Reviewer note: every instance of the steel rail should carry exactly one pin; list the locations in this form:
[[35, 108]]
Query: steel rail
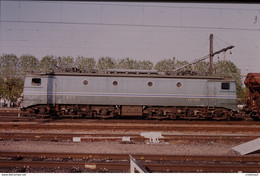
[[125, 166], [131, 121], [112, 156], [128, 120], [188, 167], [19, 119], [143, 127], [110, 136]]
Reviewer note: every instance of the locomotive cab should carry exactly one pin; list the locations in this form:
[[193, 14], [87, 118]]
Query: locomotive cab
[[34, 92], [222, 94]]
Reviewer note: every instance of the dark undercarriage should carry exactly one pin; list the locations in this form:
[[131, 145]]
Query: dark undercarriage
[[144, 112]]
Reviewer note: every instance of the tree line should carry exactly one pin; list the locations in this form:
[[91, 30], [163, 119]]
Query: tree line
[[13, 69]]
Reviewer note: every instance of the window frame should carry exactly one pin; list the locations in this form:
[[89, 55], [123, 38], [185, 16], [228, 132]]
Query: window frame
[[225, 86], [36, 81]]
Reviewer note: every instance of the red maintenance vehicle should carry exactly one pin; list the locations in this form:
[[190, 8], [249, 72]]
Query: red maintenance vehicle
[[252, 107]]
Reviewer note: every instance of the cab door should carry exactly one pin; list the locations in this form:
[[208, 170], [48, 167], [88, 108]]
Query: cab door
[[51, 90], [212, 102]]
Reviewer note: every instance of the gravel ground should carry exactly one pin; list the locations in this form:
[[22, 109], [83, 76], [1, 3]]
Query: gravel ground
[[178, 148]]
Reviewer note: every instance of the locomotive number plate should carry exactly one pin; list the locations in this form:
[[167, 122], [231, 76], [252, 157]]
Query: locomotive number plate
[[193, 99]]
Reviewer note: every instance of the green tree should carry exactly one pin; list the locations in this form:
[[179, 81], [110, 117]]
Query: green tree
[[48, 63], [11, 82], [65, 63], [28, 63], [167, 65], [9, 66], [11, 88], [182, 63], [145, 65], [105, 63], [84, 63], [201, 67], [164, 65], [1, 87], [127, 64]]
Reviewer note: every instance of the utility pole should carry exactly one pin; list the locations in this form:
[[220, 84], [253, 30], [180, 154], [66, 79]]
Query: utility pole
[[204, 58], [211, 54]]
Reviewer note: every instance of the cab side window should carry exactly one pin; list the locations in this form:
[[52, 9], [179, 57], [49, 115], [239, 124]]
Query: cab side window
[[225, 86], [36, 81]]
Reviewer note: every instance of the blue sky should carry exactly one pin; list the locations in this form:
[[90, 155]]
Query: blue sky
[[141, 31]]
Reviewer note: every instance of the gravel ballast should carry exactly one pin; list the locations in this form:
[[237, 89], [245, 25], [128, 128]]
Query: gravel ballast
[[178, 148]]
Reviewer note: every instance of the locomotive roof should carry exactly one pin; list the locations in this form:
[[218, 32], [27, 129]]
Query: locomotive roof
[[128, 75]]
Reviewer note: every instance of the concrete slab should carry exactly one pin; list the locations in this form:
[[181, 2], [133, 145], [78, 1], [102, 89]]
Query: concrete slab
[[89, 138], [248, 147], [76, 139], [153, 136]]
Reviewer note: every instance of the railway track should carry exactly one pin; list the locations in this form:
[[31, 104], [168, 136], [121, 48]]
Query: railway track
[[19, 136], [43, 129], [120, 162], [65, 129], [16, 118], [124, 126]]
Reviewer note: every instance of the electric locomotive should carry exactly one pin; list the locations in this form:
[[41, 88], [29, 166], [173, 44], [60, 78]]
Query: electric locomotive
[[144, 94]]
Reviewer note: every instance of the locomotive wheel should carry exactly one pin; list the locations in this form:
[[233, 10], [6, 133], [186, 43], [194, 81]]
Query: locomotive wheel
[[220, 115], [255, 116], [38, 111]]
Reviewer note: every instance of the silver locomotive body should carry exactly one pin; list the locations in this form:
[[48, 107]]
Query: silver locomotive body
[[109, 95]]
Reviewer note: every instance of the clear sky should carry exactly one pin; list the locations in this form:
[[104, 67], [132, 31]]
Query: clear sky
[[138, 30]]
